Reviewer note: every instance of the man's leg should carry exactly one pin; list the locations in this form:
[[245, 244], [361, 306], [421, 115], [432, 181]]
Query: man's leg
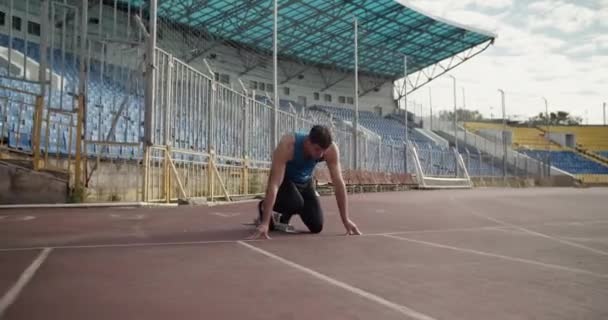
[[312, 214], [289, 201]]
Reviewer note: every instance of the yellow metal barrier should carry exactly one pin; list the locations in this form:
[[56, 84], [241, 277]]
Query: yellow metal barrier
[[593, 178], [174, 174]]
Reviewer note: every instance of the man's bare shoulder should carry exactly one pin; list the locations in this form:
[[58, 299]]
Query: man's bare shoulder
[[332, 153], [287, 139], [285, 147]]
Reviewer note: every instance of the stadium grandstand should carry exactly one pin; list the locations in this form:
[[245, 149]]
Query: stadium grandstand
[[161, 100], [576, 149]]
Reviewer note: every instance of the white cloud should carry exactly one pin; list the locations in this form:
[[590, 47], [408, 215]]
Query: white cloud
[[585, 49], [565, 17], [527, 60], [602, 15], [541, 6], [490, 4]]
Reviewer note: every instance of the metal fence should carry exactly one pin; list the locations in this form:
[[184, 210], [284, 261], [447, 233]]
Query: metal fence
[[493, 156], [74, 100]]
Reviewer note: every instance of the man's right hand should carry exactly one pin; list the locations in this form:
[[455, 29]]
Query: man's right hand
[[261, 232]]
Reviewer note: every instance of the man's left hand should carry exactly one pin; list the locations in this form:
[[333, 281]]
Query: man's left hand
[[351, 228]]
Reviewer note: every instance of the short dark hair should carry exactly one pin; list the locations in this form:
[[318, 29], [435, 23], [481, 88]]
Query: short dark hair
[[320, 135]]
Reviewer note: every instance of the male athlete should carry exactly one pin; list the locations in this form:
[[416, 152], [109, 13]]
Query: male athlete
[[291, 188]]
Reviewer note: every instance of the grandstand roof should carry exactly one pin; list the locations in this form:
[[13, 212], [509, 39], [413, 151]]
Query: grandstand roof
[[320, 32]]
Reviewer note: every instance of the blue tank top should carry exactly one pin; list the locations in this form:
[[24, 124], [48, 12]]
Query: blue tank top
[[300, 170]]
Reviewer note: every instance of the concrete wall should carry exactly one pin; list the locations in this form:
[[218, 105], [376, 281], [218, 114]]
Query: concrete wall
[[20, 185], [564, 139]]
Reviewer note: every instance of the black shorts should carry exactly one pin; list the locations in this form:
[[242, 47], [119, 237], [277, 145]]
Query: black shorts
[[302, 200]]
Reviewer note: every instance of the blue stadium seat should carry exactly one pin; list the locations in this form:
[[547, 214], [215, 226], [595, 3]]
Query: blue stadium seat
[[569, 161], [102, 89], [389, 129]]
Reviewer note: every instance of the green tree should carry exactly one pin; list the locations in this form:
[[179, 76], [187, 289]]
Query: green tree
[[555, 118], [462, 115]]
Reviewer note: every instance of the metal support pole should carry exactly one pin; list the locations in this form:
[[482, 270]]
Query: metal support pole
[[431, 107], [455, 123], [504, 133], [246, 116], [81, 98], [455, 114], [150, 77], [393, 159], [44, 40], [275, 62], [380, 156], [548, 137], [37, 136], [356, 126], [405, 107], [464, 108], [604, 113], [149, 96]]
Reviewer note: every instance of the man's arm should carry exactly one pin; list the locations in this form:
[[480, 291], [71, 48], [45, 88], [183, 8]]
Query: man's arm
[[332, 158], [277, 171]]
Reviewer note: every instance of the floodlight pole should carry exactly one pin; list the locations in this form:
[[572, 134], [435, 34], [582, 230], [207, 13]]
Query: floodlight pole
[[504, 133], [455, 127], [356, 125], [275, 109]]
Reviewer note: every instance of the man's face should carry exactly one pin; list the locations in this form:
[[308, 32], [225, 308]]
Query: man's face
[[313, 151]]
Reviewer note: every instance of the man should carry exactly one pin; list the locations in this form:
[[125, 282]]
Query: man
[[291, 187]]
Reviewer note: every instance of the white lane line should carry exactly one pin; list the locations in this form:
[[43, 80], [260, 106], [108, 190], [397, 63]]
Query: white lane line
[[17, 218], [13, 293], [362, 293], [127, 216], [123, 245], [488, 254], [542, 235], [184, 243], [583, 239], [448, 230], [152, 244], [225, 215]]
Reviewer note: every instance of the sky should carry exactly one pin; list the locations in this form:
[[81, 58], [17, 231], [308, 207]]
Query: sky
[[556, 49]]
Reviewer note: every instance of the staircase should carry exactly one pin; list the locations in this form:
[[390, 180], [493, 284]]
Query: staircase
[[592, 156], [581, 151]]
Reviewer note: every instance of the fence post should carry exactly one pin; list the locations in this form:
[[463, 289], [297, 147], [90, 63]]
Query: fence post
[[78, 158], [405, 156], [392, 159], [36, 136], [211, 175], [468, 164], [480, 163], [146, 180], [380, 156], [245, 151], [211, 112], [166, 175], [245, 181], [515, 160], [366, 155]]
